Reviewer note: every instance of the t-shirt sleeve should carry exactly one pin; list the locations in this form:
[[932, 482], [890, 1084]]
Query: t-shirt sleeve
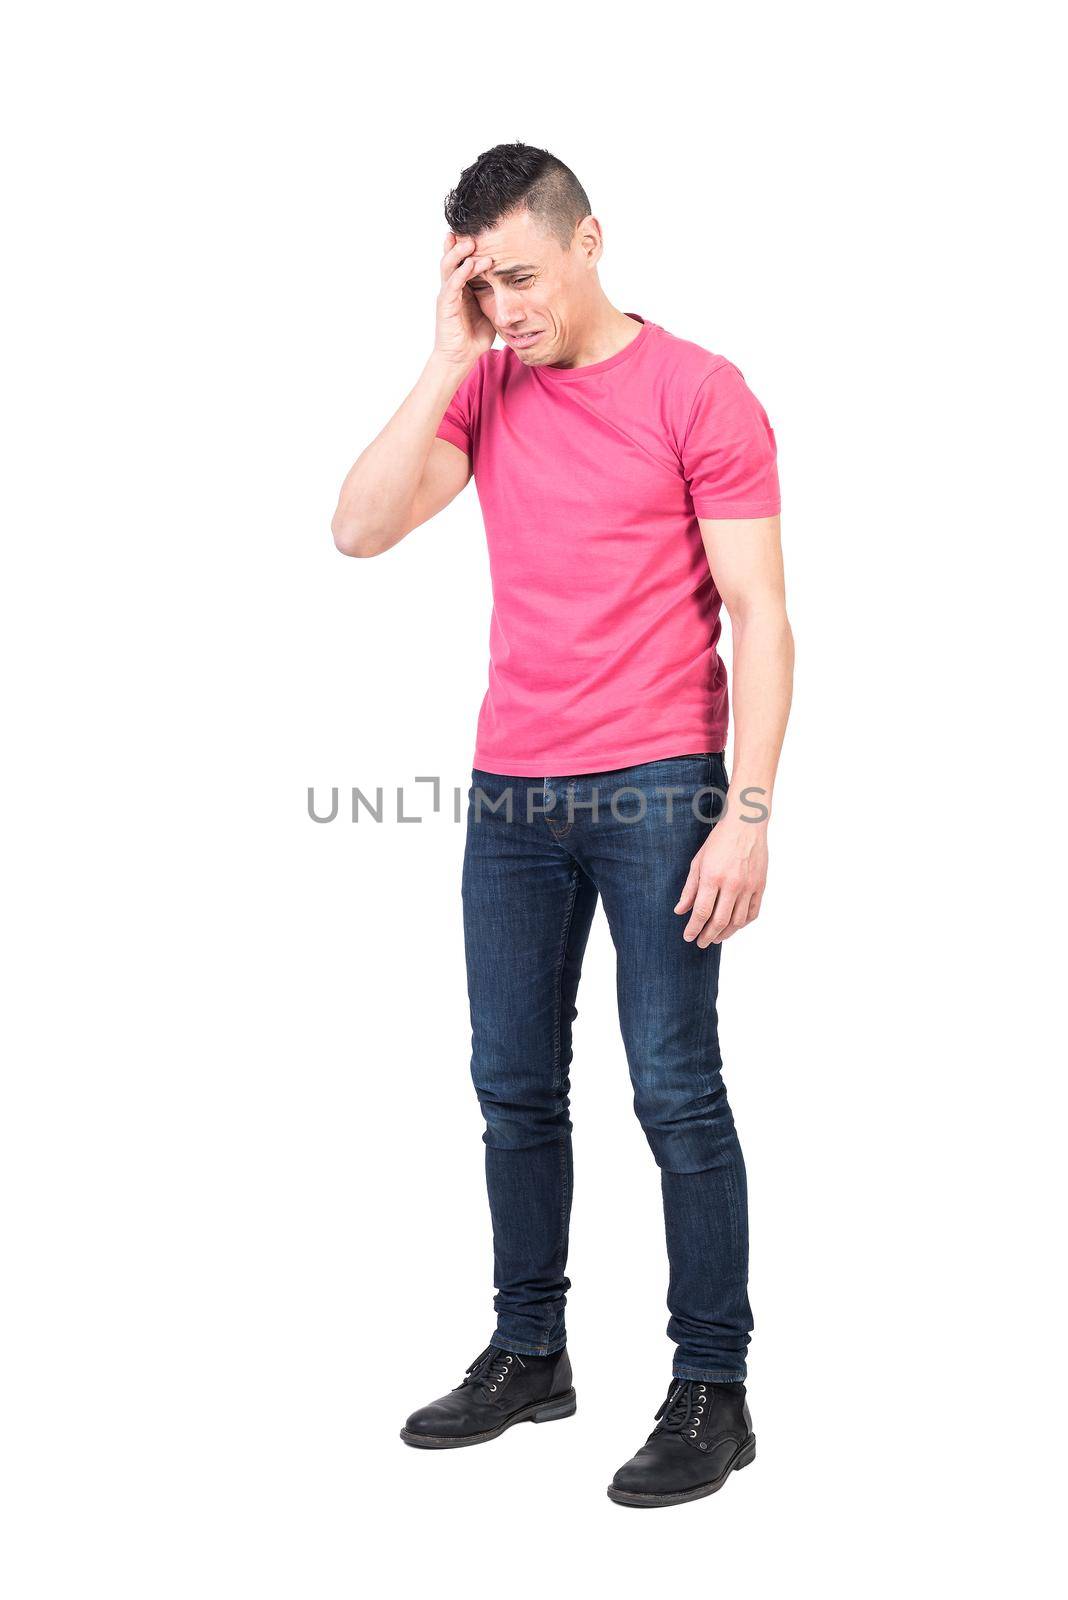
[[459, 425], [728, 452]]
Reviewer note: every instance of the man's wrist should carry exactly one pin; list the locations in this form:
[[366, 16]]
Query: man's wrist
[[749, 803], [448, 369]]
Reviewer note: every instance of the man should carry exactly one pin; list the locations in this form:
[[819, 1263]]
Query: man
[[628, 482]]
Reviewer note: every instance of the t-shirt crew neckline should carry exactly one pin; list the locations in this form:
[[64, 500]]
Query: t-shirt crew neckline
[[572, 374]]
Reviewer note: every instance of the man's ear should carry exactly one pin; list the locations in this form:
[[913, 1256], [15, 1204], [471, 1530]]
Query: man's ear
[[590, 240]]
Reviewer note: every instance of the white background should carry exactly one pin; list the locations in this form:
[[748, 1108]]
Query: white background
[[243, 1208]]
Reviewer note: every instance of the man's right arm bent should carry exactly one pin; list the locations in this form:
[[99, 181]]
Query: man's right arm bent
[[407, 474]]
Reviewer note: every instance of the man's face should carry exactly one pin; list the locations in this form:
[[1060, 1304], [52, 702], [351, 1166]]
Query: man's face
[[532, 286]]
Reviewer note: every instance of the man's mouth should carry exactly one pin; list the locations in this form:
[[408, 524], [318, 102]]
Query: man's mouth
[[522, 340]]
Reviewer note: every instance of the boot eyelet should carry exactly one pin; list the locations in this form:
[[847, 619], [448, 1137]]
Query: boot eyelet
[[702, 1446], [693, 1436], [493, 1388]]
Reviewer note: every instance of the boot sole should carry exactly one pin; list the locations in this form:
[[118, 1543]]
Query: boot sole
[[560, 1405], [626, 1497]]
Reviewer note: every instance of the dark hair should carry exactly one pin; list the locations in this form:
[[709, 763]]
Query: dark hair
[[517, 177]]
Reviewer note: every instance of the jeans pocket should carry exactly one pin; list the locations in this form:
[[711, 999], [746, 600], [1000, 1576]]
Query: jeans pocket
[[693, 766], [716, 783]]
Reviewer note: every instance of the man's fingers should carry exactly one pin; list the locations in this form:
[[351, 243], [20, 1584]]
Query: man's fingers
[[689, 888], [703, 907], [472, 264], [740, 916], [719, 921], [453, 253], [461, 247], [721, 900]]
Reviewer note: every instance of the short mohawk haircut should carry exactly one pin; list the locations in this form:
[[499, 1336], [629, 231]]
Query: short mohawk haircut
[[517, 177]]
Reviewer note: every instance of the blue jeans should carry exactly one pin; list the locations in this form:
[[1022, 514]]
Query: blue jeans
[[539, 852]]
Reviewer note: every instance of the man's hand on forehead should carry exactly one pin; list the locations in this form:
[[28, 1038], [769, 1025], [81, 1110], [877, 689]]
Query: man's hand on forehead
[[462, 245], [483, 253]]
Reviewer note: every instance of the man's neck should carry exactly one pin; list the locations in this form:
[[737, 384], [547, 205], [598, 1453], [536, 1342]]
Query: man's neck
[[605, 337]]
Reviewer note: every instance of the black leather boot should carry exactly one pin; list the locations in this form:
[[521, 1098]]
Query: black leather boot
[[500, 1388], [704, 1432]]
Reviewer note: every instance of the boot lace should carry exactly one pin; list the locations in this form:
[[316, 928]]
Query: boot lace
[[489, 1370], [683, 1412]]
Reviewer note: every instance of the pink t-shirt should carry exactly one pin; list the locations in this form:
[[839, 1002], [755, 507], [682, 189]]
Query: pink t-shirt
[[605, 616]]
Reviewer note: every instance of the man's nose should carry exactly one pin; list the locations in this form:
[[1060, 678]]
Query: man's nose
[[509, 308]]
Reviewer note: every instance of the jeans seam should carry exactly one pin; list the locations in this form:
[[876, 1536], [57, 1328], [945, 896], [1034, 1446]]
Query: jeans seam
[[720, 1375], [558, 984], [711, 970], [565, 1197], [539, 1350], [732, 1207], [558, 980], [561, 833]]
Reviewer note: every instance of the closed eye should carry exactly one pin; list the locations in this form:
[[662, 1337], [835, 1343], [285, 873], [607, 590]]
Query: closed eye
[[517, 283]]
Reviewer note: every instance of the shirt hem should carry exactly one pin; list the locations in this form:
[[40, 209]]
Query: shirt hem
[[732, 509], [696, 742], [454, 436]]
